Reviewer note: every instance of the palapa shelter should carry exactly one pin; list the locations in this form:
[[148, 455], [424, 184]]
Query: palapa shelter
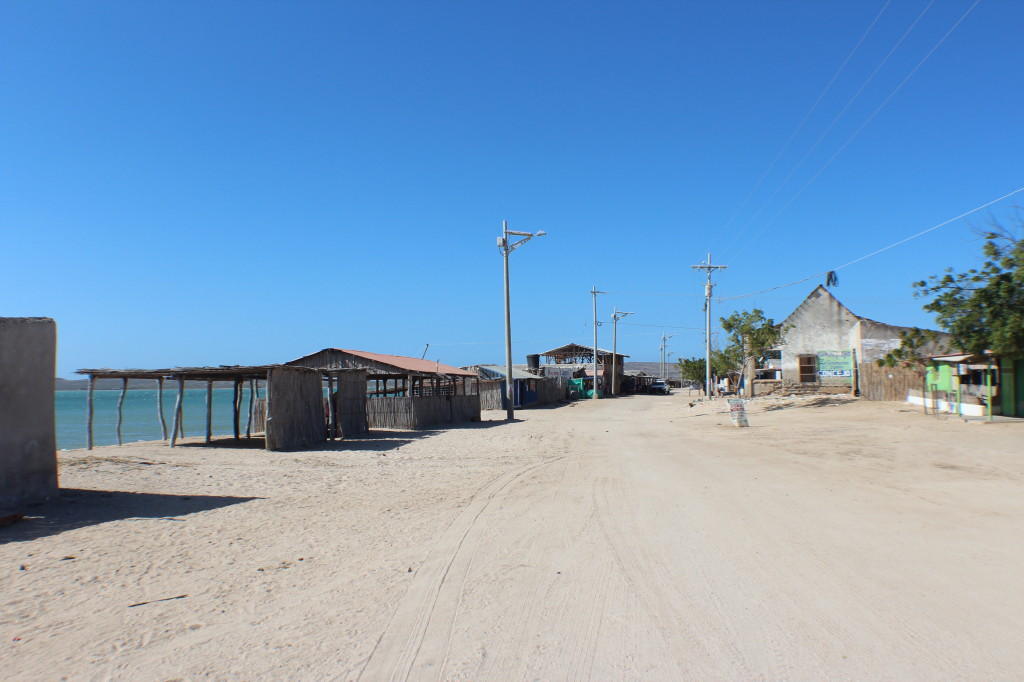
[[574, 360], [291, 416], [404, 392]]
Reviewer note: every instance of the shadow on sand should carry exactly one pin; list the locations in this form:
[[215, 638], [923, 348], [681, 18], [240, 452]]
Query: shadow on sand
[[376, 440], [76, 508]]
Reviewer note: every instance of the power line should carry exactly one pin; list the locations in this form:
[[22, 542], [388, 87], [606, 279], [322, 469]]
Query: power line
[[647, 293], [800, 126], [661, 326], [885, 248], [828, 129], [857, 131]]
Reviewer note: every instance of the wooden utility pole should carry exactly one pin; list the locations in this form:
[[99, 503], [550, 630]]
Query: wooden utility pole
[[708, 268]]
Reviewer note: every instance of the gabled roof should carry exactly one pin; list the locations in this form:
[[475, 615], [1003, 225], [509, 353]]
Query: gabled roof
[[574, 350], [398, 362], [814, 297]]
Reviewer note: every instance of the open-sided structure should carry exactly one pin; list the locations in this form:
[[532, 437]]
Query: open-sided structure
[[574, 360], [404, 392], [291, 416]]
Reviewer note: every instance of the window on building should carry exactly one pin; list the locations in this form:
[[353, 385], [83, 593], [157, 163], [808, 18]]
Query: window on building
[[808, 369]]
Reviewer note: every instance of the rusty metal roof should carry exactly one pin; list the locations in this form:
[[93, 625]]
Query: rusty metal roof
[[409, 364]]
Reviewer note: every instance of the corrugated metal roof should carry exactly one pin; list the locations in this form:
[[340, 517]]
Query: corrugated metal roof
[[500, 371], [409, 364], [579, 349]]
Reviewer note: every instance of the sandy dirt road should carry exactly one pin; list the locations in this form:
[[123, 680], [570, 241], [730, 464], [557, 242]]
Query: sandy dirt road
[[632, 539]]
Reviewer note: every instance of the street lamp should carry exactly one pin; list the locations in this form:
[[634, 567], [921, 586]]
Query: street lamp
[[664, 345], [506, 247], [616, 316]]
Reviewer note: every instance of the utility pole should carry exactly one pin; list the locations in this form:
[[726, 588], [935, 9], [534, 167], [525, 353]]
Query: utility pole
[[708, 268], [616, 316], [595, 292], [506, 247], [664, 339]]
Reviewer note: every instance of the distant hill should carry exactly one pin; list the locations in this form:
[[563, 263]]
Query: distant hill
[[654, 368]]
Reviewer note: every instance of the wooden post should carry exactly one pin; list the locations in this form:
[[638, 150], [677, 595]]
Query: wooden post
[[236, 407], [160, 406], [92, 383], [252, 403], [332, 421], [178, 427], [209, 410], [120, 408]]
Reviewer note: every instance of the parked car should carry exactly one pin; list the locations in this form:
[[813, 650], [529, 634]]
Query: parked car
[[660, 386]]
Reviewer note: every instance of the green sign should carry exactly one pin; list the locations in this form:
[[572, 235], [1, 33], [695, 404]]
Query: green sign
[[835, 363]]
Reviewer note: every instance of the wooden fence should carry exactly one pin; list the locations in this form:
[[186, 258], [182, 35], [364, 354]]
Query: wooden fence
[[421, 412], [490, 394], [886, 383], [295, 409], [552, 390], [350, 403]]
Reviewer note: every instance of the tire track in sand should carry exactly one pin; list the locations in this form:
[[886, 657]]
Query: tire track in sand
[[418, 633]]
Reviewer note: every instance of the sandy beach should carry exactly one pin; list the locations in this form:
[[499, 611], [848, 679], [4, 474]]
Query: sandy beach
[[638, 538]]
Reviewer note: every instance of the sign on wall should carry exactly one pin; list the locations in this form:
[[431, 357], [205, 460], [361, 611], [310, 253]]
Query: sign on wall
[[835, 364]]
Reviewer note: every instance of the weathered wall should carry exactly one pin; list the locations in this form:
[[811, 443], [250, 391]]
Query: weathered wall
[[28, 445], [820, 324], [350, 403], [295, 409]]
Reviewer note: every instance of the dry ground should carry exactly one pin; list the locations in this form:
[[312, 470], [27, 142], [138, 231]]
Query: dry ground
[[638, 538]]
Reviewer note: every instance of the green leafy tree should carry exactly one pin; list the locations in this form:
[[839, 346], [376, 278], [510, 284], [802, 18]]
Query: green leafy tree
[[723, 364], [692, 369], [751, 335], [983, 308]]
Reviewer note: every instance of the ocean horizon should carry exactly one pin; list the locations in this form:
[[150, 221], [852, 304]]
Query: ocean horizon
[[141, 419]]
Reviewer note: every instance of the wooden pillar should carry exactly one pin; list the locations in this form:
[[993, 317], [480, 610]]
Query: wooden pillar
[[209, 410], [252, 406], [120, 408], [332, 417], [236, 407], [178, 427], [92, 384], [160, 406]]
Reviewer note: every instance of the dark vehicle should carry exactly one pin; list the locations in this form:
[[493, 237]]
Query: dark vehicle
[[660, 386]]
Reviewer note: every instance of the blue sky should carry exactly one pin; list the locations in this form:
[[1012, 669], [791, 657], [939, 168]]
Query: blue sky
[[196, 183]]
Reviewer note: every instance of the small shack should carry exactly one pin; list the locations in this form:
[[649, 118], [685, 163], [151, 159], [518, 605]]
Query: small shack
[[291, 417], [573, 361], [403, 392], [963, 384], [528, 388]]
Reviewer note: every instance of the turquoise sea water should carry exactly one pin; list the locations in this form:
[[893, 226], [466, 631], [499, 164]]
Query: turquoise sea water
[[141, 420]]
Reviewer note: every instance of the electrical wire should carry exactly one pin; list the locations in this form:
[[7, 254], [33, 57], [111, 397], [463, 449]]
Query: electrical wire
[[875, 253], [800, 126], [857, 131], [646, 293]]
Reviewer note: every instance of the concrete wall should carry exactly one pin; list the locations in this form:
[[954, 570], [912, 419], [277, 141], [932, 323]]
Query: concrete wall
[[28, 445], [820, 324]]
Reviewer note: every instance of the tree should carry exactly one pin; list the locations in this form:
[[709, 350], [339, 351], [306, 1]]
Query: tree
[[916, 347], [693, 369], [751, 334], [983, 308]]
